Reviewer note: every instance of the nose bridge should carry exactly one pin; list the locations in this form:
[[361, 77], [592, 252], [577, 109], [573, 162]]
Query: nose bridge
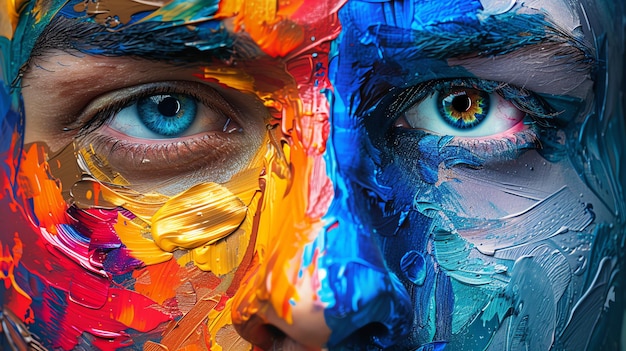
[[359, 292], [341, 295], [318, 279]]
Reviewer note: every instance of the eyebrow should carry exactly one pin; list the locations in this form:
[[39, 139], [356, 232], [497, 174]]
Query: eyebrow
[[203, 42], [493, 36]]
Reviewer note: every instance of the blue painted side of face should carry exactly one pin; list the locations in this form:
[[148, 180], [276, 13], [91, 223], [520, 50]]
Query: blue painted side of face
[[470, 227]]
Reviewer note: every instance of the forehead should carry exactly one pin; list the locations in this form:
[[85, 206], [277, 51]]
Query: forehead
[[256, 28], [422, 15], [257, 16], [277, 28]]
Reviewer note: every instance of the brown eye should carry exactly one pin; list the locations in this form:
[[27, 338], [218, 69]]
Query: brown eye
[[461, 111], [463, 108]]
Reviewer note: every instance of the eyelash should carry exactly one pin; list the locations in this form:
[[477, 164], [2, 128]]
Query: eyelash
[[103, 115], [524, 100], [539, 114]]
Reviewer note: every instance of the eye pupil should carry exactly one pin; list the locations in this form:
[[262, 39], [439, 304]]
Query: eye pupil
[[169, 106], [461, 103], [463, 108]]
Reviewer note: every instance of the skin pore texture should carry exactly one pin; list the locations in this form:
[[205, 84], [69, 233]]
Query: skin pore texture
[[306, 175]]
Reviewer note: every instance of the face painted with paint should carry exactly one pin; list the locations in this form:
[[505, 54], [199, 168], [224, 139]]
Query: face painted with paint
[[490, 137], [149, 147], [172, 179]]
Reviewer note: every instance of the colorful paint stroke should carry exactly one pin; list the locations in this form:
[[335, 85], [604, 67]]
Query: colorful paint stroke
[[107, 251], [489, 201], [343, 175]]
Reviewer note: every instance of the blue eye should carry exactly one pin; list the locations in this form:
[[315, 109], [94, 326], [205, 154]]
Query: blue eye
[[167, 115]]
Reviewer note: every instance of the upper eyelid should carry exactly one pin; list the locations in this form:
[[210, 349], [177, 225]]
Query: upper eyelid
[[99, 110]]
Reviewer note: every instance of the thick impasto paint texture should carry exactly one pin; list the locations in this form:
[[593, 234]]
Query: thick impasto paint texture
[[491, 206], [305, 175], [121, 255]]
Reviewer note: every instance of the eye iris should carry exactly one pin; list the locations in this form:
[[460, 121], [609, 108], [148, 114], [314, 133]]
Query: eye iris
[[167, 115], [463, 108]]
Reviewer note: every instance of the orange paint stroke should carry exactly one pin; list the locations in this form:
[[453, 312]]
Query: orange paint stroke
[[38, 184], [267, 22], [158, 282], [109, 196]]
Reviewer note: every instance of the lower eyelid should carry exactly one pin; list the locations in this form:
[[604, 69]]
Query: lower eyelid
[[210, 156], [114, 133], [504, 146]]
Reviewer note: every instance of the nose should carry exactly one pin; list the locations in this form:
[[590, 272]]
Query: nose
[[366, 305], [340, 296]]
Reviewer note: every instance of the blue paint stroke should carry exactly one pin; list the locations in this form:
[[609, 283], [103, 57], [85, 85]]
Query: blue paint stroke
[[532, 298], [414, 267]]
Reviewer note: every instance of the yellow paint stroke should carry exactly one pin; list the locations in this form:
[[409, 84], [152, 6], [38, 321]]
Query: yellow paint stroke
[[89, 193], [37, 183], [98, 166], [226, 254], [198, 216], [285, 228], [133, 236]]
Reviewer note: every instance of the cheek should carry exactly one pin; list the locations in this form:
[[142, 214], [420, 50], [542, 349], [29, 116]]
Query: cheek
[[497, 204], [107, 266]]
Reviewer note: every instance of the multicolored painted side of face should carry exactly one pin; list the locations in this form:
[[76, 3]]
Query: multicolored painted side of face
[[193, 175], [173, 152]]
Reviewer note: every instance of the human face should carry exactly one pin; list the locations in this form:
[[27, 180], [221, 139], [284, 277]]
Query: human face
[[152, 159], [130, 232], [490, 135]]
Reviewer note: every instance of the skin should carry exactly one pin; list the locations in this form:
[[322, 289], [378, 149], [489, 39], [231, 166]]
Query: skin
[[444, 199], [401, 232]]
